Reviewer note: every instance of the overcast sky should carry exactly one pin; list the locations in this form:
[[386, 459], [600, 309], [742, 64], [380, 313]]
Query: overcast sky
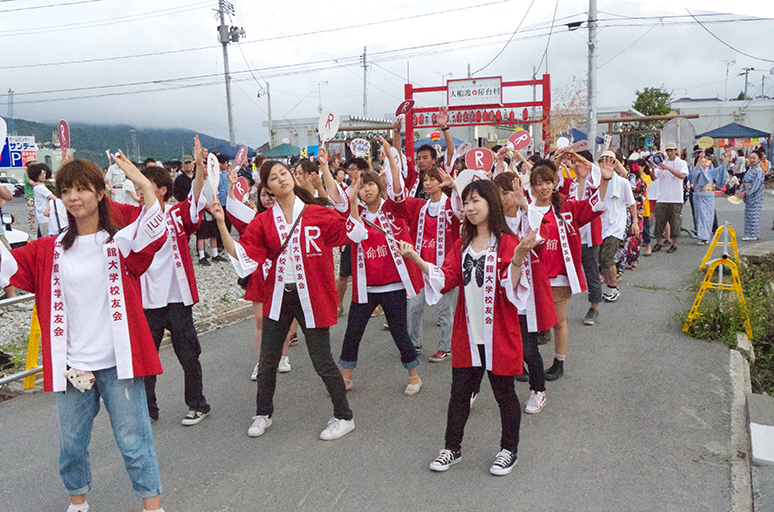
[[675, 52]]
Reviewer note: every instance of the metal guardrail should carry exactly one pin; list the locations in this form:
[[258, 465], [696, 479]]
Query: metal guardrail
[[26, 373]]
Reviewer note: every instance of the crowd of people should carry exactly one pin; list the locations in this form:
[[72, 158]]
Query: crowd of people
[[500, 256]]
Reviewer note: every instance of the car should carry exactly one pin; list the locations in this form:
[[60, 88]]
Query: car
[[16, 238], [13, 185]]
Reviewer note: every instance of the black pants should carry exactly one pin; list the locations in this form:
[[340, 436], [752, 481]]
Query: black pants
[[318, 342], [529, 341], [178, 319], [464, 382]]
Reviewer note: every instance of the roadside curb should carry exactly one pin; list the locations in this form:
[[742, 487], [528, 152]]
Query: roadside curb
[[741, 477]]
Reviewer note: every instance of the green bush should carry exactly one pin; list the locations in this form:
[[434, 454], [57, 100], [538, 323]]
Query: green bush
[[720, 321]]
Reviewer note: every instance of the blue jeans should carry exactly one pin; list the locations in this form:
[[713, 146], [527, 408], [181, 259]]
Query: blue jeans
[[128, 410], [394, 306]]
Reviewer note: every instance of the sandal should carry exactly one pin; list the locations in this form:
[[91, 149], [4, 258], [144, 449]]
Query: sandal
[[413, 389], [656, 248], [348, 384], [672, 249]]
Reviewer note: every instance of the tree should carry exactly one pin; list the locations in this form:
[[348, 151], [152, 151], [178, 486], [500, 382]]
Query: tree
[[653, 101], [568, 108]]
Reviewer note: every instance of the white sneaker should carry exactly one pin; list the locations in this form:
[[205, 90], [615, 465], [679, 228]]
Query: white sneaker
[[254, 376], [83, 507], [259, 426], [284, 365], [413, 389], [337, 428], [536, 402]]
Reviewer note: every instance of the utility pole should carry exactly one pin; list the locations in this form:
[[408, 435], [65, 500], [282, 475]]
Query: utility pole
[[592, 78], [365, 83], [226, 35], [10, 113], [729, 63], [745, 72], [271, 127], [135, 147]]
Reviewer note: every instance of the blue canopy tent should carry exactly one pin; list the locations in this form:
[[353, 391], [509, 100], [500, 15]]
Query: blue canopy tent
[[735, 131], [231, 151], [575, 135], [442, 142]]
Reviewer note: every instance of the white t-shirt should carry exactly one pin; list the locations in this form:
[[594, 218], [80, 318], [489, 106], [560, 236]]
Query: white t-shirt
[[115, 175], [123, 195], [85, 288], [671, 189], [57, 215], [653, 189], [40, 193], [474, 300], [618, 198], [159, 282]]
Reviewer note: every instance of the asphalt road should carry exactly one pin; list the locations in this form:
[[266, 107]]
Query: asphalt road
[[639, 422]]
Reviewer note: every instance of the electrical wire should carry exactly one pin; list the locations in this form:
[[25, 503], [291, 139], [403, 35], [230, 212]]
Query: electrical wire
[[624, 50], [509, 40], [545, 53], [725, 43], [49, 5], [112, 21]]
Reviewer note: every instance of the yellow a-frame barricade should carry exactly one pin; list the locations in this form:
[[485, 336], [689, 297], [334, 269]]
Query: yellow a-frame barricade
[[33, 349], [707, 283]]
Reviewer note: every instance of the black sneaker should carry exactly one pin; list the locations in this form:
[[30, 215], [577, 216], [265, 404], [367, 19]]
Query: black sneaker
[[503, 463], [543, 337], [204, 262], [524, 377], [556, 371], [193, 418], [418, 349], [219, 257], [445, 460], [591, 317]]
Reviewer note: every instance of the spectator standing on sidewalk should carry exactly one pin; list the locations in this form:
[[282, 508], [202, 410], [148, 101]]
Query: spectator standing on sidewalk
[[670, 174]]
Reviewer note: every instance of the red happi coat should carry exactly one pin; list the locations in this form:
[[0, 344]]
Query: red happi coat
[[504, 340], [451, 228], [376, 243], [35, 262], [240, 217], [569, 189], [186, 220], [575, 214], [320, 229]]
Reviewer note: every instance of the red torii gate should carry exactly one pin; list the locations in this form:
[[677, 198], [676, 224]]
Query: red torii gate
[[460, 115]]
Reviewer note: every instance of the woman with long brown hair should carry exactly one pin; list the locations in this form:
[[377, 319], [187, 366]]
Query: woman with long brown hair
[[96, 343], [485, 264], [558, 221], [297, 235]]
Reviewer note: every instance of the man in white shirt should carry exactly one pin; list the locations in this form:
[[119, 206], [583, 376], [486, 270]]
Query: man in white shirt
[[619, 197], [670, 196]]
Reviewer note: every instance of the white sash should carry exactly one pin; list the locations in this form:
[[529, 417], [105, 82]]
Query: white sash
[[440, 232], [400, 264], [119, 324], [531, 309], [490, 284], [569, 264], [182, 279], [292, 255]]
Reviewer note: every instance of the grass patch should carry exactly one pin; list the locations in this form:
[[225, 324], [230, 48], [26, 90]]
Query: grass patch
[[721, 320], [18, 350]]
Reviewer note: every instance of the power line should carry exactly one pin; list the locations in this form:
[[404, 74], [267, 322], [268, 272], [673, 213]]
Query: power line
[[635, 42], [50, 5], [509, 40], [725, 43], [112, 21], [545, 53]]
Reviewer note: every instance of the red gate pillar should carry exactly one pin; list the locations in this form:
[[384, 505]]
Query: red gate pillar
[[546, 108], [408, 90]]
